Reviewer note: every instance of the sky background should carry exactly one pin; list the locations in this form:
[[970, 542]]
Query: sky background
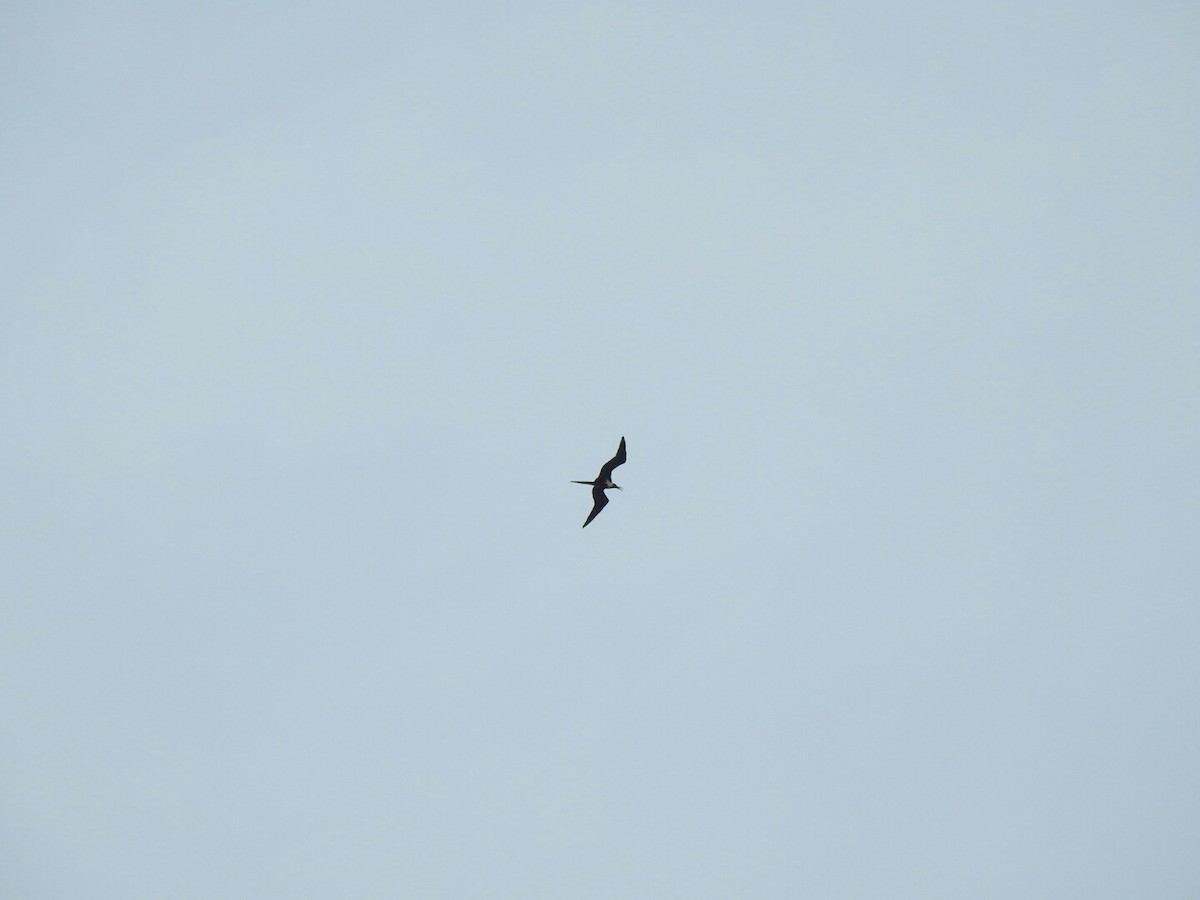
[[310, 312]]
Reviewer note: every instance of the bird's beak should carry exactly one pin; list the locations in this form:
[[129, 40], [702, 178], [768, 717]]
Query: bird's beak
[[618, 487]]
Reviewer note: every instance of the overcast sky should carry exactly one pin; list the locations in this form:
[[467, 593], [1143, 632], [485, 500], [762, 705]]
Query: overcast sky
[[311, 312]]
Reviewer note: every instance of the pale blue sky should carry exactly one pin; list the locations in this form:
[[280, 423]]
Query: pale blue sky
[[311, 312]]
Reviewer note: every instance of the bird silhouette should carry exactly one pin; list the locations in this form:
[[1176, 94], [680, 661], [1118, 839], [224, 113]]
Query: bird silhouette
[[603, 482]]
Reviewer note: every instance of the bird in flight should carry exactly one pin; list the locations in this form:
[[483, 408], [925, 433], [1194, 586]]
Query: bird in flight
[[603, 482]]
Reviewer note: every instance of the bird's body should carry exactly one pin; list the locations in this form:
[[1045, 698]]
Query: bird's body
[[603, 482]]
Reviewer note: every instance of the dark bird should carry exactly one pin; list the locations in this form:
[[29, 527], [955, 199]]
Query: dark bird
[[603, 482]]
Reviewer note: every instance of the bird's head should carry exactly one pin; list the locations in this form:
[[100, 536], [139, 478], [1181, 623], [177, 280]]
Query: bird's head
[[613, 485]]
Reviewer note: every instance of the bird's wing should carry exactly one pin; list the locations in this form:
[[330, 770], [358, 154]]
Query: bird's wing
[[619, 459], [599, 501]]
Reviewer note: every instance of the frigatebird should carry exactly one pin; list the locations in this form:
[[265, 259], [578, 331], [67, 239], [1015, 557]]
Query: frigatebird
[[603, 482]]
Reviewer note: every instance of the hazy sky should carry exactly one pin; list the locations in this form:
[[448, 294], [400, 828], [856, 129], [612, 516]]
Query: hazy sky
[[311, 312]]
